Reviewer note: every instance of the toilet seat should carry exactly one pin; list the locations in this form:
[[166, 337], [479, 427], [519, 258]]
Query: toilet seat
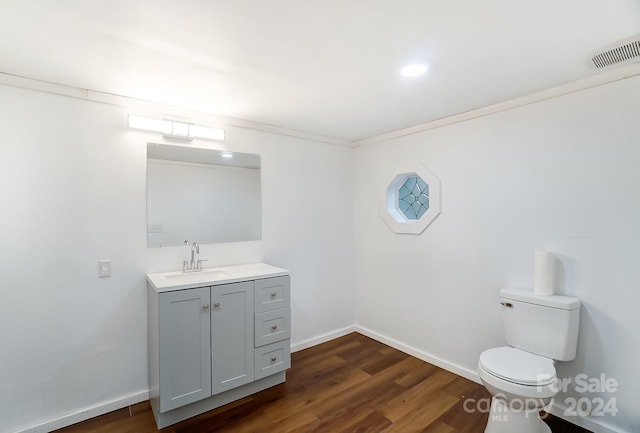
[[521, 384], [517, 366]]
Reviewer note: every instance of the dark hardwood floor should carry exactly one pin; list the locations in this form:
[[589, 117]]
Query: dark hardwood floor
[[351, 384]]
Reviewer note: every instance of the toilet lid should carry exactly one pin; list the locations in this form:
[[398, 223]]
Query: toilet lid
[[518, 366]]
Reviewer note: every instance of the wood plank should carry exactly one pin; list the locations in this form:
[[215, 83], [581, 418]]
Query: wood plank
[[419, 417], [439, 427], [472, 422], [371, 394], [421, 394], [421, 372], [318, 393]]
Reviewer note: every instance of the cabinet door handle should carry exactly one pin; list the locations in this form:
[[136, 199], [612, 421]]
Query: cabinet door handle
[[216, 305], [273, 294], [205, 307], [274, 327], [273, 359]]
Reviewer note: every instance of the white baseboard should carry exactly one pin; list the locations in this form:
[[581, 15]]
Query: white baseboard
[[87, 413], [314, 341], [593, 424], [420, 354]]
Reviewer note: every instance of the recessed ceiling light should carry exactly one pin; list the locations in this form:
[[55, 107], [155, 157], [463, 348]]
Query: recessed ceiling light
[[413, 70]]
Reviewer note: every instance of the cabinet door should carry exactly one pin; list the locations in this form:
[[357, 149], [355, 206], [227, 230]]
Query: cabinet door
[[184, 340], [232, 332]]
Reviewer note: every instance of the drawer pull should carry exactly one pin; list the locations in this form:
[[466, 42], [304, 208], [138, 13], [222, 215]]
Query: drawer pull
[[273, 359], [274, 327], [273, 294]]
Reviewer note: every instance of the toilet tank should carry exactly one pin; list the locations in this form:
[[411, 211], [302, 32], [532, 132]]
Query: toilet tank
[[544, 325]]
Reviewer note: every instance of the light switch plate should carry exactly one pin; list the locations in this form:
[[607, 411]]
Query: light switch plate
[[104, 268], [155, 228]]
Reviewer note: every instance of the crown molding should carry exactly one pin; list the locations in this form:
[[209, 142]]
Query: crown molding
[[554, 92], [187, 114], [155, 107]]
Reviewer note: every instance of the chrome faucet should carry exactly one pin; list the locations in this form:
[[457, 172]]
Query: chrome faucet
[[195, 249], [195, 264]]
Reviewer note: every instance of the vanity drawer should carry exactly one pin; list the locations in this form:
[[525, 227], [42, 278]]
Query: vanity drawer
[[272, 293], [272, 326], [273, 358]]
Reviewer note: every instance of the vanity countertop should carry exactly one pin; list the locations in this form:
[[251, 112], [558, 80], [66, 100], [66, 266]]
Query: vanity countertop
[[167, 281]]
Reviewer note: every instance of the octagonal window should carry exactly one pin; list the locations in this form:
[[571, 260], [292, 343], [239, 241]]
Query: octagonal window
[[413, 198]]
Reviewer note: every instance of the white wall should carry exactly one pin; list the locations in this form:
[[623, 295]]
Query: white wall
[[561, 175], [73, 191]]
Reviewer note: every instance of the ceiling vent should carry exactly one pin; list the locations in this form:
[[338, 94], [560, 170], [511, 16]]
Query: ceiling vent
[[623, 52]]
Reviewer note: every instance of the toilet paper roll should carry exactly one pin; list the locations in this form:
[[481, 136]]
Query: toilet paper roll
[[544, 275]]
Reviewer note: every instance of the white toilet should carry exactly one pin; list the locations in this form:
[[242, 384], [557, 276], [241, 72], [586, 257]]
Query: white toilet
[[521, 377]]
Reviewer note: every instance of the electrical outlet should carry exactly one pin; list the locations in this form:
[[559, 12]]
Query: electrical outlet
[[104, 268]]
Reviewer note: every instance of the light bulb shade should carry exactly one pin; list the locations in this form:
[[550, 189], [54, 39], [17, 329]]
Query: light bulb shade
[[179, 129], [150, 124]]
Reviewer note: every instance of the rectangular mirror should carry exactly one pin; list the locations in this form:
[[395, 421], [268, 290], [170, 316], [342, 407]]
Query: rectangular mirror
[[201, 195]]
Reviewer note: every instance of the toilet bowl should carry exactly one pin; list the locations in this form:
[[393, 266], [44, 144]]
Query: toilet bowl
[[521, 377], [521, 384]]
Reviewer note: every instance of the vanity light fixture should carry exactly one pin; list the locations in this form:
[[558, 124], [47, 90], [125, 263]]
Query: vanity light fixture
[[175, 129]]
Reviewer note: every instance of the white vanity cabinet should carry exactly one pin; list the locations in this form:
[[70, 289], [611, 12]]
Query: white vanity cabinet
[[215, 337]]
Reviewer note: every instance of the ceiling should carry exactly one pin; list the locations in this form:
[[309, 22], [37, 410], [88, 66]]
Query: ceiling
[[327, 67]]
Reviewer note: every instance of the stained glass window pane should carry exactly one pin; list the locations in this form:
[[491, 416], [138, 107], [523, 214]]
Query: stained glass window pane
[[413, 197]]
